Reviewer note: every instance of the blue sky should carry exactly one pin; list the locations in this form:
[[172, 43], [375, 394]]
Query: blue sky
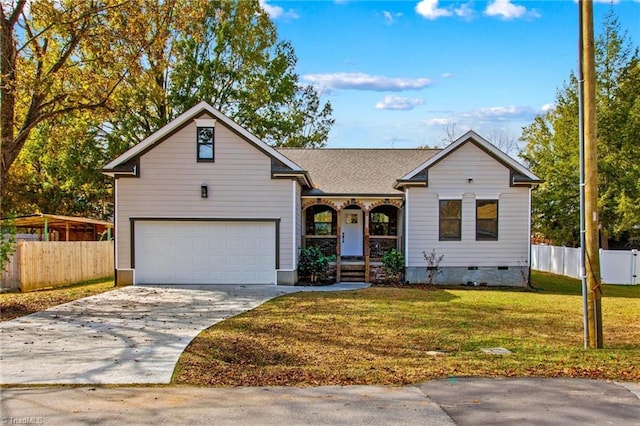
[[399, 72]]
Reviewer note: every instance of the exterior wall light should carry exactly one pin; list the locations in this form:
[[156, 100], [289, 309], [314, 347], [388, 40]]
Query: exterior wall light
[[469, 179], [204, 191]]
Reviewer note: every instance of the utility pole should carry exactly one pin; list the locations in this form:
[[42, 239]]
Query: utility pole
[[591, 246]]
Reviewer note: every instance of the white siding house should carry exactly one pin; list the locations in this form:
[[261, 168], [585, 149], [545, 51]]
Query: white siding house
[[468, 174], [203, 201], [164, 183]]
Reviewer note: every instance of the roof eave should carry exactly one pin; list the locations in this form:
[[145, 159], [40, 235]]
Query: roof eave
[[528, 182], [301, 176], [115, 173], [402, 183]]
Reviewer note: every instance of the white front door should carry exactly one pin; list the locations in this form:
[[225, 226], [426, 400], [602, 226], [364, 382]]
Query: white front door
[[352, 232]]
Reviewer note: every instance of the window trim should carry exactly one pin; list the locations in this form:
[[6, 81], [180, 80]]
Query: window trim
[[497, 220], [440, 220], [199, 144]]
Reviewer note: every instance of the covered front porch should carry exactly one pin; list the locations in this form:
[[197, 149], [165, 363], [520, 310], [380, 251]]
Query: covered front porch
[[355, 233]]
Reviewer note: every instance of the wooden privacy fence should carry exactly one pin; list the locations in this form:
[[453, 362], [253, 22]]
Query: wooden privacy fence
[[45, 264]]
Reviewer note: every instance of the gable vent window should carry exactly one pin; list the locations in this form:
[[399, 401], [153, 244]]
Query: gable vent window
[[205, 144], [205, 139]]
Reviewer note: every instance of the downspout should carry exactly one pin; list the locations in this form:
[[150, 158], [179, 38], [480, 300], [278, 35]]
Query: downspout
[[530, 236], [406, 232], [295, 227], [115, 224]]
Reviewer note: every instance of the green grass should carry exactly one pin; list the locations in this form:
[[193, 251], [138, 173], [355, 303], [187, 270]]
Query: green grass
[[382, 336]]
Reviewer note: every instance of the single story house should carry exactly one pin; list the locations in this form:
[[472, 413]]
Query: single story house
[[203, 201]]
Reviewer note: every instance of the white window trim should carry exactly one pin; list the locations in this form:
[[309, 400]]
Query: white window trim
[[488, 196], [205, 122], [450, 196]]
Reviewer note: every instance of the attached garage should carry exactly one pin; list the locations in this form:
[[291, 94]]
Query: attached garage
[[204, 251]]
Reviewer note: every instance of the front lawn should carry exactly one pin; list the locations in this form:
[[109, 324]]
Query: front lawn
[[384, 336], [13, 305]]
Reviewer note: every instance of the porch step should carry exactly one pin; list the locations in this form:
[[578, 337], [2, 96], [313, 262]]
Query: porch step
[[352, 272]]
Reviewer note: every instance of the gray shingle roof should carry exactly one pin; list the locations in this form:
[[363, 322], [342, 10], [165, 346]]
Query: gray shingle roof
[[357, 171]]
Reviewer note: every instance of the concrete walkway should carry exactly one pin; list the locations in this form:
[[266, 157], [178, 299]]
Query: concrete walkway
[[468, 401], [132, 335]]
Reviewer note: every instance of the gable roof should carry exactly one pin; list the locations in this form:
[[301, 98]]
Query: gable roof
[[356, 171], [519, 173], [119, 165]]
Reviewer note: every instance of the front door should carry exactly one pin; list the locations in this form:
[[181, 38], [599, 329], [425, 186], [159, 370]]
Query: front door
[[352, 230]]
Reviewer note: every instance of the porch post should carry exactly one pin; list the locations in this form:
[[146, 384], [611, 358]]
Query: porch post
[[338, 246], [367, 271]]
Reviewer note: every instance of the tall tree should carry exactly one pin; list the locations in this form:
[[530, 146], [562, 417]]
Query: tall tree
[[59, 57], [143, 98], [235, 62], [552, 147], [101, 75], [61, 177]]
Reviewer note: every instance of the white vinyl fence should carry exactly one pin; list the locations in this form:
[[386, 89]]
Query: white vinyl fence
[[616, 266]]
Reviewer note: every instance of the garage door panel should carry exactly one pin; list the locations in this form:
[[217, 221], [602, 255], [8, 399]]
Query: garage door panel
[[203, 252]]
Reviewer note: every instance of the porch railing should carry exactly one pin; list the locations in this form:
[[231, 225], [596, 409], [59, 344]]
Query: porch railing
[[328, 244], [380, 245]]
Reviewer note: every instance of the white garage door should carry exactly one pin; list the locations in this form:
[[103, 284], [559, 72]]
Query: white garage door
[[183, 252]]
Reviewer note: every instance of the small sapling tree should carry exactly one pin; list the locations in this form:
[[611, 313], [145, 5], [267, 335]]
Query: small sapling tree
[[433, 261]]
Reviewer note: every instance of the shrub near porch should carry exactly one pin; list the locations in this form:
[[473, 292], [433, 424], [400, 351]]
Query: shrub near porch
[[383, 336]]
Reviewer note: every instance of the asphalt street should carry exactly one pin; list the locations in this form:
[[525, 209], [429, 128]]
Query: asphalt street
[[461, 401]]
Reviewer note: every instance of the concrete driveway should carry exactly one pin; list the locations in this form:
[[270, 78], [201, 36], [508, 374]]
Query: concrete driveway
[[132, 335]]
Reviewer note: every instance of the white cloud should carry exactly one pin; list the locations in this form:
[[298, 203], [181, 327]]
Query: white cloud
[[465, 11], [361, 81], [276, 12], [548, 107], [429, 9], [505, 9], [446, 75], [390, 17], [439, 121], [501, 113], [399, 103], [490, 116]]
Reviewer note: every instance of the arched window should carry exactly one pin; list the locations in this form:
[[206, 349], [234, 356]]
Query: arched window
[[384, 221], [321, 220]]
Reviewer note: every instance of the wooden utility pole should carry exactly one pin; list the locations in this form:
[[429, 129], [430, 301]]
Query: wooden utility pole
[[592, 246]]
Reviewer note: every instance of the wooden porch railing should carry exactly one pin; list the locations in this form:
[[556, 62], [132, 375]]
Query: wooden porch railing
[[380, 245], [328, 244]]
